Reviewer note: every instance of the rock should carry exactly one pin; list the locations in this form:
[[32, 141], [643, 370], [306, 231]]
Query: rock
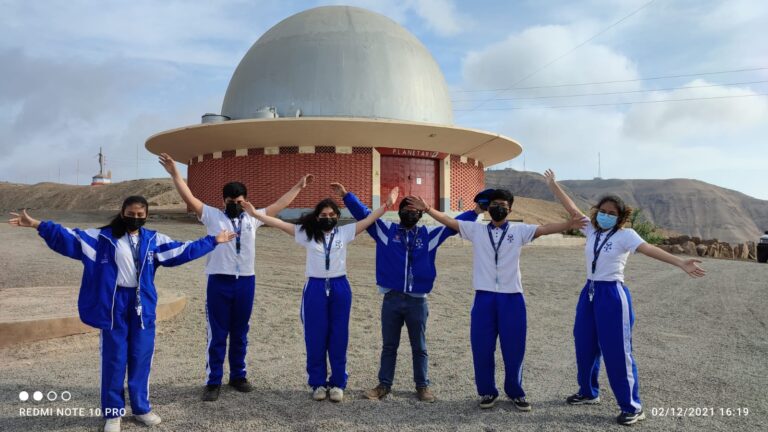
[[676, 249], [689, 248], [701, 250], [752, 251], [726, 251], [713, 251], [696, 240], [744, 253]]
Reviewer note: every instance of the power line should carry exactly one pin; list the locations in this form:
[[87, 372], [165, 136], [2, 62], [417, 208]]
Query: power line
[[614, 104], [540, 68], [617, 93], [616, 81]]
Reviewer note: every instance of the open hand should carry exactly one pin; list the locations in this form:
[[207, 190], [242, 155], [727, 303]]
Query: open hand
[[549, 176], [578, 222], [248, 207], [339, 189], [306, 180], [393, 196], [417, 202], [691, 267], [23, 220], [168, 163], [225, 236]]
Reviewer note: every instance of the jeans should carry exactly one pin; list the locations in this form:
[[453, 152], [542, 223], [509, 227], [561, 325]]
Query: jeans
[[398, 309]]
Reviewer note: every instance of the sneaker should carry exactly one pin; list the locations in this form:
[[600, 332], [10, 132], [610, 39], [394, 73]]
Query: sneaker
[[424, 394], [336, 394], [521, 404], [319, 393], [378, 392], [149, 419], [488, 401], [112, 425], [577, 399], [241, 385], [211, 392], [627, 419]]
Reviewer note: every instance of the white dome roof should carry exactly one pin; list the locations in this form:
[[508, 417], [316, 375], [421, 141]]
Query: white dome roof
[[339, 61]]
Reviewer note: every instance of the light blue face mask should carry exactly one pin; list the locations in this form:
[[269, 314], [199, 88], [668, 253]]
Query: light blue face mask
[[606, 221]]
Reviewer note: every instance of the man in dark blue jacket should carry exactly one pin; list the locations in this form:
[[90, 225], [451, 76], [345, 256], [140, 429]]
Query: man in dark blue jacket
[[405, 273]]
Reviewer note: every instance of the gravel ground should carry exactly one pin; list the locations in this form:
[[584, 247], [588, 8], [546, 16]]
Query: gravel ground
[[698, 343]]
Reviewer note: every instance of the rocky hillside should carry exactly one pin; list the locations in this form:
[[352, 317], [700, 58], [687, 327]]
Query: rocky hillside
[[685, 206]]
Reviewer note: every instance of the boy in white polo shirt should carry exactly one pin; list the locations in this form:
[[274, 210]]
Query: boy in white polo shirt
[[231, 276], [498, 311]]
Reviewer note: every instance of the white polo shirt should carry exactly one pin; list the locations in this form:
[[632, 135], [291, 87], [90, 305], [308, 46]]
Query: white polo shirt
[[316, 253], [224, 259], [126, 268], [487, 275], [613, 255]]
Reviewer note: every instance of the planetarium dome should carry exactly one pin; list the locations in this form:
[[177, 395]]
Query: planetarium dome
[[338, 61]]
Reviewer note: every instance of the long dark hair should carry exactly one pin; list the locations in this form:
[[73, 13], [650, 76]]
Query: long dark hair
[[308, 221], [625, 211], [118, 224]]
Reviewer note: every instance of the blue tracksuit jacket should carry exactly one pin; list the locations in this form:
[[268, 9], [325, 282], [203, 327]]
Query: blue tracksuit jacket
[[392, 240], [96, 248]]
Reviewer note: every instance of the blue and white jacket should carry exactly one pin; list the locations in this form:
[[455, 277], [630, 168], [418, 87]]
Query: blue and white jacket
[[96, 248], [392, 243]]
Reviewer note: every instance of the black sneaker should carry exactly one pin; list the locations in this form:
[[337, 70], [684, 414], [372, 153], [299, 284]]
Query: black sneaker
[[241, 385], [521, 404], [627, 419], [211, 392], [577, 399], [488, 401]]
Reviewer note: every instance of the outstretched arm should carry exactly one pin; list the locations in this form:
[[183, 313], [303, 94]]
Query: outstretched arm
[[73, 243], [576, 222], [285, 200], [437, 215], [371, 218], [272, 221], [689, 266], [181, 186], [561, 196], [175, 253]]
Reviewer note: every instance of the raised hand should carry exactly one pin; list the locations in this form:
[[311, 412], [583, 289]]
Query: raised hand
[[339, 189], [225, 236], [417, 202], [306, 180], [23, 220], [549, 175], [393, 196], [168, 163], [578, 222], [691, 267], [248, 207]]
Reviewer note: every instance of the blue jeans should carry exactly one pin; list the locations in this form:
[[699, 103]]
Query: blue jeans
[[396, 309]]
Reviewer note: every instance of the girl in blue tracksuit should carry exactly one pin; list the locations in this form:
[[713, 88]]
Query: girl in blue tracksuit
[[604, 315], [118, 296], [327, 297]]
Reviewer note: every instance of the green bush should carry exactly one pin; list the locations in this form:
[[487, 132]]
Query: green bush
[[646, 229]]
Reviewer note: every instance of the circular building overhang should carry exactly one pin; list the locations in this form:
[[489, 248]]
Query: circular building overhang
[[186, 143]]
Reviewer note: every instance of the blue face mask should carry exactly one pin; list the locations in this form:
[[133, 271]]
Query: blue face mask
[[606, 221]]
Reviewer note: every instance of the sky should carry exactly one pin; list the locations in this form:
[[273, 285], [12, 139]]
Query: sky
[[658, 89]]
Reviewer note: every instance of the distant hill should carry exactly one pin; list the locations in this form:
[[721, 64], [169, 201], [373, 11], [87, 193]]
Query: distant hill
[[686, 206]]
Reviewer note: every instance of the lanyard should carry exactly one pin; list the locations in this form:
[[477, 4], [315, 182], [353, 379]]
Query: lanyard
[[237, 227], [596, 250], [327, 248], [409, 246], [495, 246], [135, 249]]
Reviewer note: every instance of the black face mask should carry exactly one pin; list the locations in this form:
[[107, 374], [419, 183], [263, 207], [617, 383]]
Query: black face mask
[[326, 223], [133, 223], [498, 214], [233, 210], [409, 218]]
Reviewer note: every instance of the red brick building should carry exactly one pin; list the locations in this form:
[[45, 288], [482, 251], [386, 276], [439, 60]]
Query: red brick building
[[349, 96]]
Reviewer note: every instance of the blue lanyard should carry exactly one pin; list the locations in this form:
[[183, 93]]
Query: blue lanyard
[[135, 250], [495, 246], [327, 248], [596, 250], [238, 228], [410, 244]]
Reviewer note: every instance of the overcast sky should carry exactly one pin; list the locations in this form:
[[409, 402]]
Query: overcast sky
[[77, 75]]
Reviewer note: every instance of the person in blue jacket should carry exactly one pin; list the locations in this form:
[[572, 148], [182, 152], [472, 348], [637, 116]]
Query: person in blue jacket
[[405, 274], [118, 295]]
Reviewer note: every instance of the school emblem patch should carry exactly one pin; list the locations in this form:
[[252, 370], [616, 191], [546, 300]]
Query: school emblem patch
[[608, 246], [510, 238]]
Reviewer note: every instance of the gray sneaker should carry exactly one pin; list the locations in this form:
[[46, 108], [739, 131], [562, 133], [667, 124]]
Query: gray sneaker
[[319, 393]]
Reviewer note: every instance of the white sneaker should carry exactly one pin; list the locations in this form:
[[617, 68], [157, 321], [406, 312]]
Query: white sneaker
[[319, 393], [112, 425], [149, 419], [337, 394]]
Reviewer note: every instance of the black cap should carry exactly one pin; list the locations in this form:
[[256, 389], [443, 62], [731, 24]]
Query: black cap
[[484, 198]]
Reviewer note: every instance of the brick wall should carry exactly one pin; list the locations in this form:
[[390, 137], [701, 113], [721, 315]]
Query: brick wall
[[268, 177], [466, 181]]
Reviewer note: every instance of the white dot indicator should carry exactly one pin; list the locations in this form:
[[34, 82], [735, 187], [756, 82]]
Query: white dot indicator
[[38, 396], [23, 396]]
